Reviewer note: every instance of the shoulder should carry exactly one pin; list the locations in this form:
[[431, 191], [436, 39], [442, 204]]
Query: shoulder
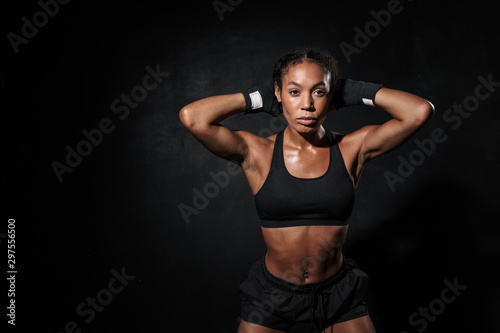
[[254, 140], [258, 150], [351, 144], [354, 138]]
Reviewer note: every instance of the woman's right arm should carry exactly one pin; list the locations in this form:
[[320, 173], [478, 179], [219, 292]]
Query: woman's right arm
[[202, 119]]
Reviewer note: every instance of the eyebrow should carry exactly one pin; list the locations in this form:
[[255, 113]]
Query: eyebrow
[[321, 83]]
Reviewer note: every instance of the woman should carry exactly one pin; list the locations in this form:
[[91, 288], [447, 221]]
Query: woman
[[303, 180]]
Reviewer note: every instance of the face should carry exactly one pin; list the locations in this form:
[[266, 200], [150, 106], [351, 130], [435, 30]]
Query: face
[[305, 96]]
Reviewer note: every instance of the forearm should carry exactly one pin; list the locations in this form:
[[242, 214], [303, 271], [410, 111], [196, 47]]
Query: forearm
[[403, 106], [211, 111]]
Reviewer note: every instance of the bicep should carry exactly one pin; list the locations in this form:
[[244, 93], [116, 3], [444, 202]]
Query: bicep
[[225, 143], [202, 119], [409, 114], [380, 139]]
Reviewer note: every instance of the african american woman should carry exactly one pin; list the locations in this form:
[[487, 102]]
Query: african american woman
[[304, 180]]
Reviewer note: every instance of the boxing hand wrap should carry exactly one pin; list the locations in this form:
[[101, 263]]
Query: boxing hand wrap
[[262, 99], [352, 92]]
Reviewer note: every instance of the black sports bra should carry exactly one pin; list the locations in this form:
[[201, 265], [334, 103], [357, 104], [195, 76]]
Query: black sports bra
[[287, 201]]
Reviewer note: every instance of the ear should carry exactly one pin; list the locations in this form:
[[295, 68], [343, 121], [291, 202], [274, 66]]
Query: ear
[[277, 92]]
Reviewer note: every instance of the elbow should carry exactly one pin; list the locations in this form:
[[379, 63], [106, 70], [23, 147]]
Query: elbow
[[191, 120], [428, 109], [187, 117], [424, 112]]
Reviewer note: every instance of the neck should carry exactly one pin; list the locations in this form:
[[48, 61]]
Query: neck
[[304, 140]]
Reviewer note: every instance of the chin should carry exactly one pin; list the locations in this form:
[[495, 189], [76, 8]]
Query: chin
[[306, 129]]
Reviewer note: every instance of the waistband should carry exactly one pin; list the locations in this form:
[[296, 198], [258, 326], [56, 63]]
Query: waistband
[[296, 222], [347, 265], [314, 290]]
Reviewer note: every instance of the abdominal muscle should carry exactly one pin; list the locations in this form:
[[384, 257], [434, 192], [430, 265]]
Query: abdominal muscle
[[304, 254]]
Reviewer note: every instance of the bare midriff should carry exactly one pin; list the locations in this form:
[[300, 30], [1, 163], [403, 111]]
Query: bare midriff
[[304, 254]]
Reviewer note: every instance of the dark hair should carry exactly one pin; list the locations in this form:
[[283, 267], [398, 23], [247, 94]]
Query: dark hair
[[321, 57]]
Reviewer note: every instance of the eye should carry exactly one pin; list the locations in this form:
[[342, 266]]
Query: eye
[[294, 92], [320, 92]]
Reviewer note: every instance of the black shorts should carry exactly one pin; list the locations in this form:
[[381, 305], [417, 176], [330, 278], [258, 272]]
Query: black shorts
[[278, 304]]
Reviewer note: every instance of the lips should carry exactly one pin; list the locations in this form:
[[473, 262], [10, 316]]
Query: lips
[[306, 121]]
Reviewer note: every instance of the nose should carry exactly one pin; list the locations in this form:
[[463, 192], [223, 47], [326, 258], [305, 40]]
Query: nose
[[307, 102]]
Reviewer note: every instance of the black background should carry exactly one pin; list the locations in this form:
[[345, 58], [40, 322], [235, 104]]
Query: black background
[[119, 208]]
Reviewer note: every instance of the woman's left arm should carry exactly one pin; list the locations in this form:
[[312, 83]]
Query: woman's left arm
[[409, 114]]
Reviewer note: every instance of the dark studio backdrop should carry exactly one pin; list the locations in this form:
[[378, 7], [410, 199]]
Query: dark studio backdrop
[[125, 223]]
